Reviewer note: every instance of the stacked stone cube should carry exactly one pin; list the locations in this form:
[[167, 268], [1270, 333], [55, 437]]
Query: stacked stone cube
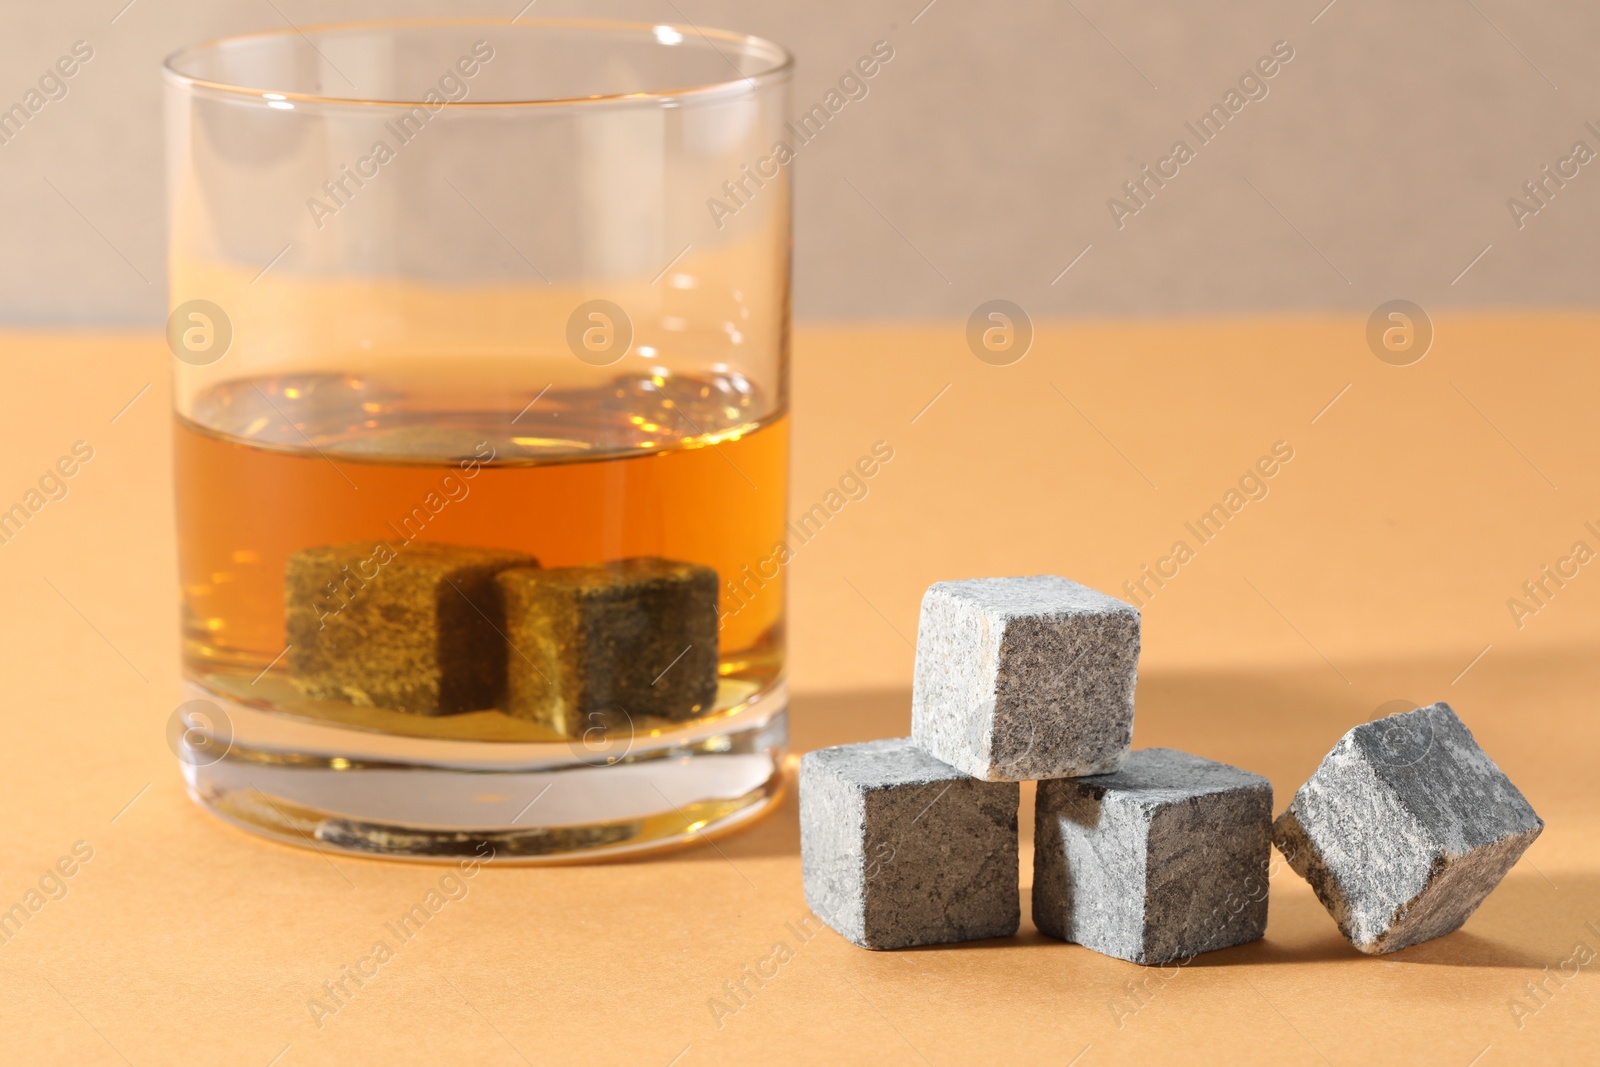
[[902, 850], [1162, 860], [1149, 856], [1019, 679]]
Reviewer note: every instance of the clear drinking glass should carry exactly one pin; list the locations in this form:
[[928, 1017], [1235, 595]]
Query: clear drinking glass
[[481, 339]]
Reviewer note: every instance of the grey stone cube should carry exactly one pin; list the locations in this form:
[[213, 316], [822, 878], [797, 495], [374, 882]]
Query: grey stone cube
[[415, 627], [1166, 858], [610, 644], [898, 849], [1405, 828], [1025, 678]]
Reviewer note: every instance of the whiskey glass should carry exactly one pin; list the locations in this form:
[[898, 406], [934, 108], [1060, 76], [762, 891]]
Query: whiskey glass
[[480, 338]]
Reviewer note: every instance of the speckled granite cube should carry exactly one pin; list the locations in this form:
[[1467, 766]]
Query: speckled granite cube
[[1164, 859], [414, 627], [611, 644], [1025, 678], [898, 849], [1405, 828]]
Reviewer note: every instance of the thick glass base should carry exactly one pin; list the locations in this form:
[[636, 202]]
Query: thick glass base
[[367, 793]]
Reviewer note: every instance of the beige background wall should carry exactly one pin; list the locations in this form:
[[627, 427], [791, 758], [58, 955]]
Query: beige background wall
[[1378, 165]]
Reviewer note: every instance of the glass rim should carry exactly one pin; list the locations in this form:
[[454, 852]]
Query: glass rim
[[780, 65]]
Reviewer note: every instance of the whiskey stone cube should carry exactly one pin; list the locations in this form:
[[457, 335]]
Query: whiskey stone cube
[[605, 645], [898, 849], [415, 627], [1025, 678], [1164, 859], [1405, 828]]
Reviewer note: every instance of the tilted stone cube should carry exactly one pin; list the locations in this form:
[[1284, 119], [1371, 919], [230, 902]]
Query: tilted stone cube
[[1164, 859], [898, 849], [1025, 678], [1405, 828], [610, 644], [414, 627]]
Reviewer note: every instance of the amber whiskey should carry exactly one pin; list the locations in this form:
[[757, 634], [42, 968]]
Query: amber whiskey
[[667, 467]]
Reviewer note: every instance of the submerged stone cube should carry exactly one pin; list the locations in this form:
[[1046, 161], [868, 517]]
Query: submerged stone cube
[[605, 645], [1025, 678], [1164, 859], [1405, 828], [898, 849], [415, 627]]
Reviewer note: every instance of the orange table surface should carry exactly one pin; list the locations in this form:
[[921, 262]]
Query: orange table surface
[[1385, 561]]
